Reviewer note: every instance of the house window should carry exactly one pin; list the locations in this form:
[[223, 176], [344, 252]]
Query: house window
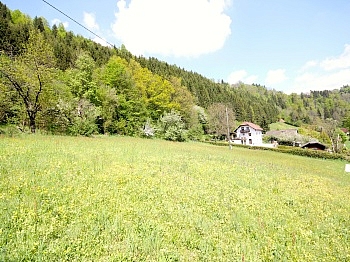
[[250, 134], [250, 141]]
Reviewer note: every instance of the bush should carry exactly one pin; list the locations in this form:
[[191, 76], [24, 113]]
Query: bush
[[148, 131], [293, 150], [171, 127], [10, 131]]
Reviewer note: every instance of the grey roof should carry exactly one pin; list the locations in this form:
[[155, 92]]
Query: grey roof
[[282, 132]]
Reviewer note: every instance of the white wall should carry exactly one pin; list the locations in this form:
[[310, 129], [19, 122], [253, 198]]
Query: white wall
[[252, 136]]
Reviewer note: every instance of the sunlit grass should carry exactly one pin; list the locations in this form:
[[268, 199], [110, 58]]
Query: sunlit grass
[[281, 126], [129, 199]]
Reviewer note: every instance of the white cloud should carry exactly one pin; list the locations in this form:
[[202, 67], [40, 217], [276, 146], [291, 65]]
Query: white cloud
[[343, 61], [100, 41], [320, 81], [275, 77], [328, 74], [241, 75], [57, 21], [172, 27], [309, 64], [90, 21]]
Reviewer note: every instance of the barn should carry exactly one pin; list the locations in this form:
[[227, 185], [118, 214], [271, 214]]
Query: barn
[[314, 146]]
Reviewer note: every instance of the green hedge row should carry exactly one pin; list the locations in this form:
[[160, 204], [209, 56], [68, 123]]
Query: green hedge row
[[291, 150]]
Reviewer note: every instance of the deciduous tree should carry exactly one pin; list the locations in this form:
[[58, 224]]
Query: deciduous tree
[[221, 118], [30, 74]]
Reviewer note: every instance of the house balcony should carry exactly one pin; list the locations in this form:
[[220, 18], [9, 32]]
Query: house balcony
[[244, 131]]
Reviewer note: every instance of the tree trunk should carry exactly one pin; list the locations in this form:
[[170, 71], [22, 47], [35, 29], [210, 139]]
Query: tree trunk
[[32, 124]]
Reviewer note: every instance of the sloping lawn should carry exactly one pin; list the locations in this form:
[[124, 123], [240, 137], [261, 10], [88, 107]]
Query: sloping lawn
[[129, 199]]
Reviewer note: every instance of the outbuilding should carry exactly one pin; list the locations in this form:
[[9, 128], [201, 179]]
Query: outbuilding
[[314, 146]]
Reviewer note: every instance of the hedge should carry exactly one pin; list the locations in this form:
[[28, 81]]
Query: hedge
[[291, 150]]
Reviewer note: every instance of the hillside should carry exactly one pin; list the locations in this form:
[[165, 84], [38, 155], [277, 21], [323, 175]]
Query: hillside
[[281, 126], [84, 88]]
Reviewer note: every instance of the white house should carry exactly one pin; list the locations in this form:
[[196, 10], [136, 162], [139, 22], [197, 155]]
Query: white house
[[248, 134]]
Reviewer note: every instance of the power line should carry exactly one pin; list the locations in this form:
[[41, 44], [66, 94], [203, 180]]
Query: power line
[[75, 21]]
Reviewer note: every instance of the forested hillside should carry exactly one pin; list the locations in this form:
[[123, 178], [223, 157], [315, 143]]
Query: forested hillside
[[62, 83]]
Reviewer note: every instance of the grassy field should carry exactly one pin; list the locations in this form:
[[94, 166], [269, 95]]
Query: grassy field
[[128, 199]]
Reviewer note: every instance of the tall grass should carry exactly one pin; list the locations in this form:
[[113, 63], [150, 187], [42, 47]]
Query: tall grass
[[129, 199]]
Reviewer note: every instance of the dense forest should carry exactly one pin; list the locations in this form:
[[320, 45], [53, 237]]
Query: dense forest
[[61, 83]]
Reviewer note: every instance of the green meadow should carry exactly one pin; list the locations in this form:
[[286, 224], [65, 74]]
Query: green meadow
[[130, 199]]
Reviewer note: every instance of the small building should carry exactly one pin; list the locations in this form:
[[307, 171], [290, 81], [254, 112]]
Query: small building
[[314, 146], [248, 134], [345, 130], [292, 135]]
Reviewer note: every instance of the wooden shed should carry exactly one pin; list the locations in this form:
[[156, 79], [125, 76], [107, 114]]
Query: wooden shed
[[314, 146]]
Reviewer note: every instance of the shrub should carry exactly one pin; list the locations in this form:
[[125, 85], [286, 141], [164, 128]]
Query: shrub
[[148, 131], [9, 130], [171, 127], [293, 150]]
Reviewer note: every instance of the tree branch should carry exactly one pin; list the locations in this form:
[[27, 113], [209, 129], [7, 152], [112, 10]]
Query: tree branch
[[40, 88], [17, 86]]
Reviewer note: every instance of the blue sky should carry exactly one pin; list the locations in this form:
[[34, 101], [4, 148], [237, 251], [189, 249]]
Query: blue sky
[[287, 45]]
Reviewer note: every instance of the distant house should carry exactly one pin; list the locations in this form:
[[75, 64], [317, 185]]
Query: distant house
[[314, 146], [278, 134], [345, 130], [248, 134]]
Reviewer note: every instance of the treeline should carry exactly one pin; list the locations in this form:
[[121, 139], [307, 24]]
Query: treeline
[[62, 83], [255, 102]]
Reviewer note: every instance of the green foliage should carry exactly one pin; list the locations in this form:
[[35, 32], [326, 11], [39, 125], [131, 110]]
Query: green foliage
[[30, 75], [19, 18], [127, 90], [84, 121], [11, 110], [108, 107], [291, 150], [311, 153], [346, 122], [9, 131], [81, 79], [183, 101], [341, 135], [115, 74]]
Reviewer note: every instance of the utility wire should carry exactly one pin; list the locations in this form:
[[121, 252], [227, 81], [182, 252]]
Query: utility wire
[[75, 21]]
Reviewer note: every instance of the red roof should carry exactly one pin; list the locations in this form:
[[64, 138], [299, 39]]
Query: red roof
[[256, 127], [344, 129]]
